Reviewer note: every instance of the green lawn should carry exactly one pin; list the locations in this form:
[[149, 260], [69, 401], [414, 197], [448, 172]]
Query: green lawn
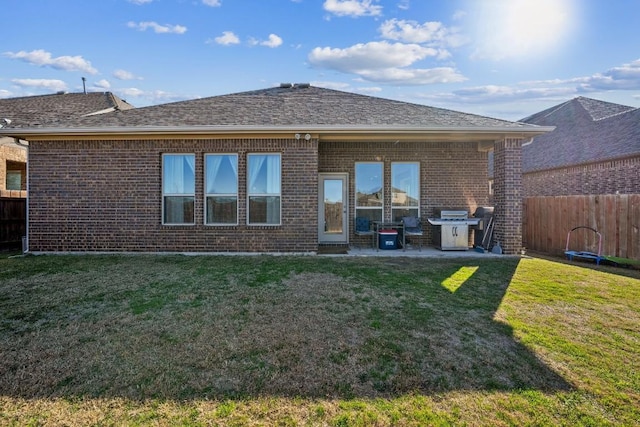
[[276, 340]]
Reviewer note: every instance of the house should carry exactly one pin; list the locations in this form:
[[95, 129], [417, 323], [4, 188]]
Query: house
[[595, 149], [282, 169], [30, 111]]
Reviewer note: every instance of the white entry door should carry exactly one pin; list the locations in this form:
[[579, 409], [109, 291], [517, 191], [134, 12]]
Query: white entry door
[[332, 212]]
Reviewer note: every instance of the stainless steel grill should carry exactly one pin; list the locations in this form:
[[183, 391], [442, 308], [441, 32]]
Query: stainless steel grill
[[451, 228]]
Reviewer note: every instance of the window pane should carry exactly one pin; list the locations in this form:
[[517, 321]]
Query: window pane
[[397, 214], [264, 210], [178, 210], [14, 180], [179, 174], [369, 184], [372, 214], [221, 174], [222, 210], [264, 173], [405, 184]]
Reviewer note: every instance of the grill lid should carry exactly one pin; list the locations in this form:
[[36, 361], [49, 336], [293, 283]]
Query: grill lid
[[446, 216]]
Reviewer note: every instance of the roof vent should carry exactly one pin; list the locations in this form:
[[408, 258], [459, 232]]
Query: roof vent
[[302, 85], [285, 85], [61, 92]]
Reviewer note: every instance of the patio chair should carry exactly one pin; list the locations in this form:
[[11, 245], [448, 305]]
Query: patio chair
[[413, 227], [363, 228]]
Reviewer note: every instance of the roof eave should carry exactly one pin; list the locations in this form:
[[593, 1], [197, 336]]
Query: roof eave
[[526, 131]]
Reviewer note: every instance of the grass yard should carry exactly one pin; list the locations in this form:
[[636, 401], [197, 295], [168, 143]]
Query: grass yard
[[297, 341]]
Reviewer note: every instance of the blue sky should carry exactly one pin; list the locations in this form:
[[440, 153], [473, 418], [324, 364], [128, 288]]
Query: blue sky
[[500, 58]]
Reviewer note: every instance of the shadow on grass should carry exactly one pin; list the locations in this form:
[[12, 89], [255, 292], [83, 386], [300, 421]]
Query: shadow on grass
[[224, 327]]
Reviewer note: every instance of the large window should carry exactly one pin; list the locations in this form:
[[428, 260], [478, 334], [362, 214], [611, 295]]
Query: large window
[[178, 188], [369, 190], [221, 189], [263, 182], [405, 190]]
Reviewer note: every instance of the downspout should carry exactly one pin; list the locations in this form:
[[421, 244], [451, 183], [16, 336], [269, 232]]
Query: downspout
[[25, 239]]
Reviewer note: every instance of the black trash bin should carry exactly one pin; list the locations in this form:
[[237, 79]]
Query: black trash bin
[[485, 214]]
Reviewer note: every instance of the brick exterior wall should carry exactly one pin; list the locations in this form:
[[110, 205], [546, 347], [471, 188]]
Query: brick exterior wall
[[507, 190], [621, 176], [451, 175], [107, 196]]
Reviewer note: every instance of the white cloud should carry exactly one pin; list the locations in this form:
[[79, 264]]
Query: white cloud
[[139, 2], [332, 85], [227, 38], [212, 3], [125, 75], [346, 87], [272, 41], [43, 58], [413, 76], [625, 77], [352, 7], [404, 4], [459, 14], [373, 55], [384, 62], [131, 92], [493, 93], [48, 84], [157, 28], [432, 33], [150, 97], [102, 84], [5, 93]]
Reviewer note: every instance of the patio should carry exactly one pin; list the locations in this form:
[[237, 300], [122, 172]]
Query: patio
[[426, 252]]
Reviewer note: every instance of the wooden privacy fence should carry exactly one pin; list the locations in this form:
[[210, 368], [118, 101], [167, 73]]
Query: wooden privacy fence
[[13, 220], [547, 220]]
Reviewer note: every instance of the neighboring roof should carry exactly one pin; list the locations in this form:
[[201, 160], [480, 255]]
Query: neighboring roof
[[301, 107], [57, 109], [587, 130]]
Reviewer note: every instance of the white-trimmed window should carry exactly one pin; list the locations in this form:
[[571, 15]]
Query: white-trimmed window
[[369, 190], [405, 190], [221, 189], [178, 189], [263, 189]]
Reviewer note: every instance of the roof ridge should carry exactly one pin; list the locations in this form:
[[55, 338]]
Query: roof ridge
[[549, 111], [600, 114]]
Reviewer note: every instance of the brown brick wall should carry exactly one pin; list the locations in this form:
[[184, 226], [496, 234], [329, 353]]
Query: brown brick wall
[[107, 196], [507, 190], [451, 174], [620, 176]]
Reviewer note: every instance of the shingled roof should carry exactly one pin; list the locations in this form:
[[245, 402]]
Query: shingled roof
[[587, 130], [291, 105], [57, 109]]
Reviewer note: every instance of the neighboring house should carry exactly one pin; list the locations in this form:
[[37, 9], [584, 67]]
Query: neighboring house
[[283, 169], [38, 110], [595, 149]]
